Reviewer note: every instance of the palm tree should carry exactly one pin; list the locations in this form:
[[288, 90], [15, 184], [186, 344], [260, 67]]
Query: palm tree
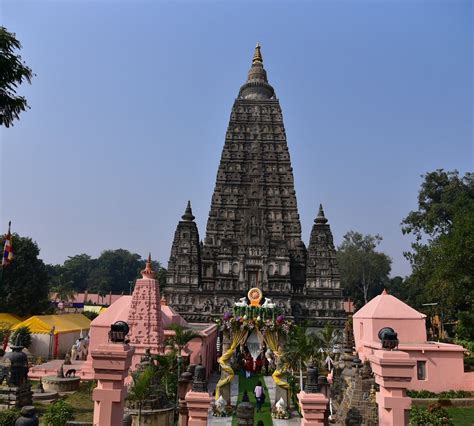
[[140, 389], [63, 288], [165, 368], [180, 341], [301, 349], [329, 337]]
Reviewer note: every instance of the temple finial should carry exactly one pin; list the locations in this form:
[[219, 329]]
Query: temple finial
[[257, 56], [320, 218], [188, 213], [148, 272]]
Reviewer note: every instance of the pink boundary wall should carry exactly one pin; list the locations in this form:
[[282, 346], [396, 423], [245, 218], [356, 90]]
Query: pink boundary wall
[[443, 362]]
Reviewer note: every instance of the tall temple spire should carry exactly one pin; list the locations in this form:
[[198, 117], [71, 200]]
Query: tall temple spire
[[188, 213], [257, 87], [257, 56], [320, 219]]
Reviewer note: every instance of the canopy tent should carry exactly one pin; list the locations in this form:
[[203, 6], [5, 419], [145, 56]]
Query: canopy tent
[[9, 319], [94, 308], [54, 335], [43, 324]]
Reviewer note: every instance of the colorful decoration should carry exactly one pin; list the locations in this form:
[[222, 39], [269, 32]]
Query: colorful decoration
[[255, 296]]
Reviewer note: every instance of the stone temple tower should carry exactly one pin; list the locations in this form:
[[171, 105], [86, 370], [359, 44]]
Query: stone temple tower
[[253, 235]]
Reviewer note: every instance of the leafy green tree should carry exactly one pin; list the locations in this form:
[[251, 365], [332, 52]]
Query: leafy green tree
[[166, 369], [13, 71], [21, 335], [442, 257], [24, 286], [364, 271], [77, 269]]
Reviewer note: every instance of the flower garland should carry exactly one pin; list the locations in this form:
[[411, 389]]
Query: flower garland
[[233, 322]]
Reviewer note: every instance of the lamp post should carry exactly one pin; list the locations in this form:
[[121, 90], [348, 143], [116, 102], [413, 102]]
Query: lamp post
[[180, 363], [130, 283]]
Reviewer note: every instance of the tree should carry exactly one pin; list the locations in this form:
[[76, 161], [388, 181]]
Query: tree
[[442, 257], [13, 71], [22, 336], [77, 269], [113, 271], [63, 288], [24, 286], [364, 271], [301, 349], [141, 387]]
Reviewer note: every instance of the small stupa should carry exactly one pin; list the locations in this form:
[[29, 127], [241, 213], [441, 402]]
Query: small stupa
[[144, 318]]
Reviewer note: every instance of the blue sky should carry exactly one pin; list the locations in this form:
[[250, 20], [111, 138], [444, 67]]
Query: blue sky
[[131, 101]]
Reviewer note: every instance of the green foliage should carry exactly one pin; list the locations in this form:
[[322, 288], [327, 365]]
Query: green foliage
[[465, 326], [8, 417], [5, 330], [13, 71], [23, 334], [181, 337], [113, 271], [435, 415], [58, 413], [24, 284], [364, 271], [62, 286], [442, 258], [443, 395], [166, 369]]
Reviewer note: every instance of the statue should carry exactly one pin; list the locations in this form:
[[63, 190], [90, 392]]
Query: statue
[[67, 359], [242, 303], [74, 352], [268, 303]]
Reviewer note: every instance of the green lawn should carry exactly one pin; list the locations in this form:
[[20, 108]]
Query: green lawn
[[249, 384], [462, 416]]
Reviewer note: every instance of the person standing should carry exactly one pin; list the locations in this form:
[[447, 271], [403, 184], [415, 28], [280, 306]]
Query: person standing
[[259, 396], [248, 365]]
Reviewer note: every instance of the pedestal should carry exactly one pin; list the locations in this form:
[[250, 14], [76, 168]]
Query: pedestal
[[314, 407], [111, 363], [198, 404], [393, 371], [281, 393], [184, 385]]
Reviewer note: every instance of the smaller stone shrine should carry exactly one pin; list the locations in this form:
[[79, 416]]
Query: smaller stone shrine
[[16, 392]]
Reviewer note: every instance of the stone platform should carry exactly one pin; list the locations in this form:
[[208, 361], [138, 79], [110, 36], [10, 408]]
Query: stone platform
[[51, 368]]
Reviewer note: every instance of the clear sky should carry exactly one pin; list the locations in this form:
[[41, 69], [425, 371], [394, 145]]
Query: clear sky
[[131, 101]]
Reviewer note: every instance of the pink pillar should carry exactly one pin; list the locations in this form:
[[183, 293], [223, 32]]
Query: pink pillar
[[198, 404], [393, 371], [110, 363], [313, 408]]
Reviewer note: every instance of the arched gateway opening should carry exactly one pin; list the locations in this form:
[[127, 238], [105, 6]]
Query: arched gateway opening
[[254, 328]]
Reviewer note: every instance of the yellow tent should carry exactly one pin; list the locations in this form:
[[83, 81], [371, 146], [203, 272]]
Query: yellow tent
[[9, 319], [42, 324]]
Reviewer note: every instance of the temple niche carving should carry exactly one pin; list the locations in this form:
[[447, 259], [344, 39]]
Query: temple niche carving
[[253, 234]]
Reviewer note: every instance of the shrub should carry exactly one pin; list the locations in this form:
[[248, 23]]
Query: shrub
[[435, 415], [443, 395], [23, 334], [8, 417], [58, 414]]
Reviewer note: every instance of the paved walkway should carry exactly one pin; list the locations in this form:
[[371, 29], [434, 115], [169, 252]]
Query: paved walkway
[[234, 389]]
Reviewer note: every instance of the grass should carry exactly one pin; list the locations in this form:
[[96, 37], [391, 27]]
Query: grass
[[81, 401], [462, 416], [249, 384]]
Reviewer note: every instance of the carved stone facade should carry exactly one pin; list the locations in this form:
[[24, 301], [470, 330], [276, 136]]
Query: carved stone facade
[[253, 235]]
